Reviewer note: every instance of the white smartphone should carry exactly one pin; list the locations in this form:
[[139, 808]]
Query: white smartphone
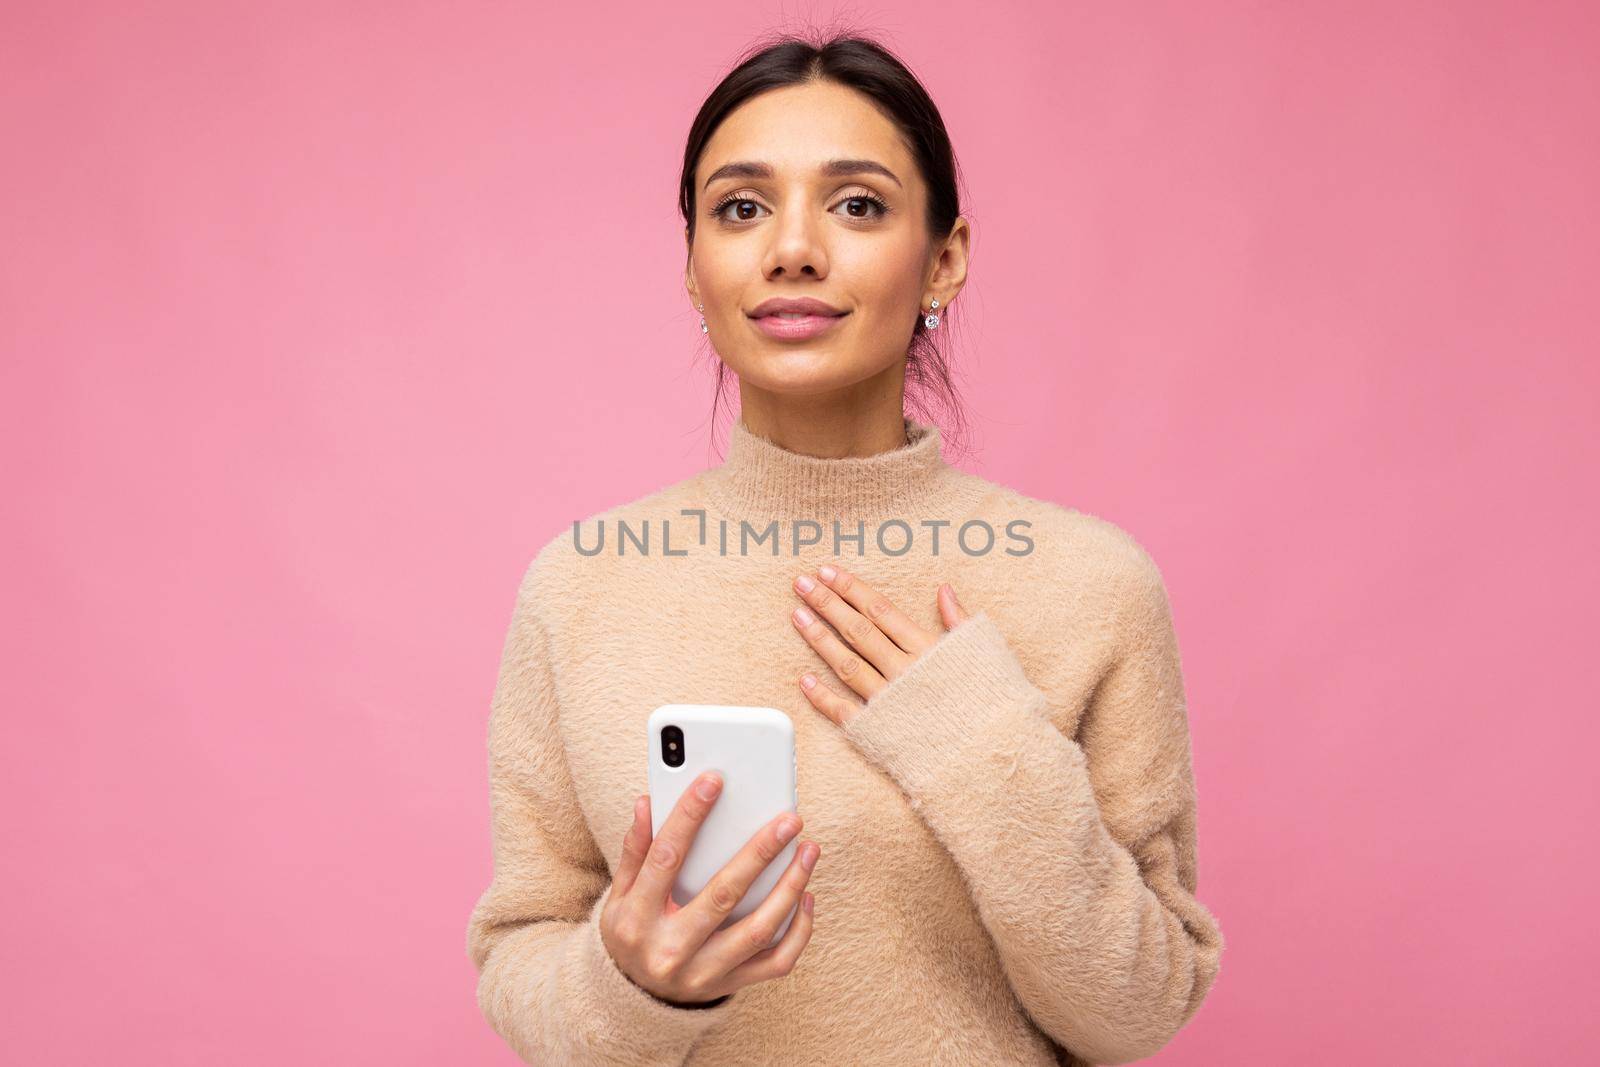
[[753, 749]]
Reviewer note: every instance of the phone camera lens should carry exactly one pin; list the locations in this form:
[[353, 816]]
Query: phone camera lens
[[672, 746]]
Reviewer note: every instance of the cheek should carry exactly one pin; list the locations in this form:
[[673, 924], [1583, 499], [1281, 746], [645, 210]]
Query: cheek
[[724, 269], [885, 282]]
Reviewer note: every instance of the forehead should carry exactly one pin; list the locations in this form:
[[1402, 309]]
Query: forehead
[[798, 127]]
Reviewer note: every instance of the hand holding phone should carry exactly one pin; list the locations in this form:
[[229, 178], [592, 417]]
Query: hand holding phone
[[676, 953], [690, 949]]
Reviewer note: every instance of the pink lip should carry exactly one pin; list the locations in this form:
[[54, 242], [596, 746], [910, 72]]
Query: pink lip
[[796, 329]]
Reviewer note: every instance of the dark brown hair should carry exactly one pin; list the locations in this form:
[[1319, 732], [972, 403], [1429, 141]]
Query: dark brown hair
[[871, 69]]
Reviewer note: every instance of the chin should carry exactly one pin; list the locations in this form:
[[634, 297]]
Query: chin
[[813, 379]]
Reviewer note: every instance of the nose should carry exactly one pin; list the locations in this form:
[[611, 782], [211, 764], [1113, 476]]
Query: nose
[[797, 246]]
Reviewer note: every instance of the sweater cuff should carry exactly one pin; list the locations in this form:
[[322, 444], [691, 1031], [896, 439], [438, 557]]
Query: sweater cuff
[[636, 1013], [922, 725]]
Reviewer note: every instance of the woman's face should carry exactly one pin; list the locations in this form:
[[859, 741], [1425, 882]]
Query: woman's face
[[857, 241]]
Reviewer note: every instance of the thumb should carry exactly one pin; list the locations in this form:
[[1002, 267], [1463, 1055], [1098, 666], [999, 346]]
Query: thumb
[[950, 609]]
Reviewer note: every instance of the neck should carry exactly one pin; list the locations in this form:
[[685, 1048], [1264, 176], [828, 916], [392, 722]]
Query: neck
[[861, 419], [826, 433], [761, 478]]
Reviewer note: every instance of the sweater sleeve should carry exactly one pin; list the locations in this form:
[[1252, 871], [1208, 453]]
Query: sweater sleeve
[[546, 982], [1080, 856]]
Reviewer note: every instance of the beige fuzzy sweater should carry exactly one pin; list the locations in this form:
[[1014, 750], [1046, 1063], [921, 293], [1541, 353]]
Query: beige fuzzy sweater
[[1008, 864]]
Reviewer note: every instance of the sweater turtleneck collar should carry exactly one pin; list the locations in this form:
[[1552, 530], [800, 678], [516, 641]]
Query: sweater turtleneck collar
[[762, 478]]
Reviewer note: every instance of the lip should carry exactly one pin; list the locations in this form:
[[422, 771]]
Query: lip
[[796, 329], [806, 305]]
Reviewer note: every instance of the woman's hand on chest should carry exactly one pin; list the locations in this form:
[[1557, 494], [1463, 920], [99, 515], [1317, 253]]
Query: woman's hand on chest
[[861, 635]]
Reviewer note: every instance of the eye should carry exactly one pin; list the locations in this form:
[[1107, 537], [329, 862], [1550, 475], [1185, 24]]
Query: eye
[[878, 206], [728, 201]]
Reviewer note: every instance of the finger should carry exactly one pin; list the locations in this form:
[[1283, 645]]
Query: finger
[[779, 960], [671, 844], [854, 671], [731, 947], [823, 697], [950, 609], [858, 631], [713, 904], [634, 846], [879, 609]]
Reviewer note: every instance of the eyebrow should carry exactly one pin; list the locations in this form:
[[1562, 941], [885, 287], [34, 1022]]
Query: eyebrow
[[833, 168]]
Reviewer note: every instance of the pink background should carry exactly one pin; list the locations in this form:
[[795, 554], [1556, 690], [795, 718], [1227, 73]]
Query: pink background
[[319, 319]]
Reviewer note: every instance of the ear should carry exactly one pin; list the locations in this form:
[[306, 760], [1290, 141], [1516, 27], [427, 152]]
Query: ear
[[950, 265]]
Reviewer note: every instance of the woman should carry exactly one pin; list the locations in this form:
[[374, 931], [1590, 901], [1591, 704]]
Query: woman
[[999, 783]]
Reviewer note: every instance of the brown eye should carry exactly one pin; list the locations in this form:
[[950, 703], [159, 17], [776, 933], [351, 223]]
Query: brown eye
[[872, 206], [720, 210]]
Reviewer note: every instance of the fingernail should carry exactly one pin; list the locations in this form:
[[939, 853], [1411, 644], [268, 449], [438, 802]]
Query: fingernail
[[808, 856], [811, 906], [803, 617], [787, 828], [827, 572], [804, 583], [708, 788]]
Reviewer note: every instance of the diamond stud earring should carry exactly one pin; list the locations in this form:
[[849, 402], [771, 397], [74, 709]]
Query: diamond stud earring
[[703, 321], [931, 321]]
